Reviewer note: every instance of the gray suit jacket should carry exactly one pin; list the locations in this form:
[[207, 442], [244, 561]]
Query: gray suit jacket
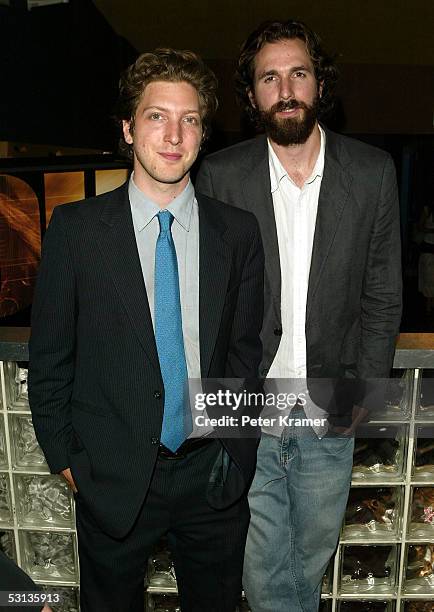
[[354, 295]]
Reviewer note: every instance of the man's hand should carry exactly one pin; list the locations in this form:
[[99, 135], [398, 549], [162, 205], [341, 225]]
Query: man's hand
[[69, 479], [359, 415]]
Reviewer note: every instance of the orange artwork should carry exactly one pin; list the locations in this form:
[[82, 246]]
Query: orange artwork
[[20, 244], [106, 180], [62, 188]]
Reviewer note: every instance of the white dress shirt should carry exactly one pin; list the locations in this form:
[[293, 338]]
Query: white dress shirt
[[295, 211]]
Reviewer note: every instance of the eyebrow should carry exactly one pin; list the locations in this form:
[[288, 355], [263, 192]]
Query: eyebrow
[[166, 110], [273, 72]]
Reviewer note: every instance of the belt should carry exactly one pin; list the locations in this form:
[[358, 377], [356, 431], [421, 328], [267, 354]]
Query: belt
[[185, 449]]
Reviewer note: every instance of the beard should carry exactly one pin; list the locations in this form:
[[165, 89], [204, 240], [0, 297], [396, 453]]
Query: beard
[[289, 130]]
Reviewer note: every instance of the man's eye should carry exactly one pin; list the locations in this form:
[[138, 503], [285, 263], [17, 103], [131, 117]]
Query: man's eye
[[191, 120], [300, 74], [270, 78], [155, 116]]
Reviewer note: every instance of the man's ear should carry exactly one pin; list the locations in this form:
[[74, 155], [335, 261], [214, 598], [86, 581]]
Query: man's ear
[[251, 98], [126, 129], [320, 88]]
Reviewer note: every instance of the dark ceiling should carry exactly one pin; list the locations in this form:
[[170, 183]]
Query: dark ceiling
[[358, 31], [60, 63]]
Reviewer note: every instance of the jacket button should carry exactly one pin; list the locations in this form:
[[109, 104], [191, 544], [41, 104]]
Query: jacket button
[[278, 331], [264, 372], [155, 441], [157, 394]]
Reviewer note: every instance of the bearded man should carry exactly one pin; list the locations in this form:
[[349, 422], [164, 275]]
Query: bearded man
[[327, 207]]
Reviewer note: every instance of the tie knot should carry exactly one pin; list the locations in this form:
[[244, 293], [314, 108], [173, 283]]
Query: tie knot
[[165, 219]]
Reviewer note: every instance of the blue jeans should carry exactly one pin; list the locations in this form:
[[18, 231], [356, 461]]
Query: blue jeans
[[297, 503]]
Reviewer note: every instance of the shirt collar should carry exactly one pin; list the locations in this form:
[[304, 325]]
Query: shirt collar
[[143, 209], [318, 169], [182, 206], [278, 172]]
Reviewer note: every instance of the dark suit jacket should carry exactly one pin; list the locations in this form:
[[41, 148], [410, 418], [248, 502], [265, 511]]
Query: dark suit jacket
[[95, 386], [12, 580], [354, 293]]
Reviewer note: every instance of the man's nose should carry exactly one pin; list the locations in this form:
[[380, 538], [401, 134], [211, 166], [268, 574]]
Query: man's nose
[[173, 132], [286, 89]]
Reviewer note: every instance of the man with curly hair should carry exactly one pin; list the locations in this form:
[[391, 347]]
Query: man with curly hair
[[139, 289], [328, 211]]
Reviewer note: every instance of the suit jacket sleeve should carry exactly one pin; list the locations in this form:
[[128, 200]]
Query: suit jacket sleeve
[[381, 291], [52, 346]]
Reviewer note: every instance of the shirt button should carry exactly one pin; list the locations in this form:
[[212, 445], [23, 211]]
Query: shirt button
[[278, 331], [157, 394], [155, 441]]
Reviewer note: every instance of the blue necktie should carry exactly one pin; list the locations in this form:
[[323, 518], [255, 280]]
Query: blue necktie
[[177, 423]]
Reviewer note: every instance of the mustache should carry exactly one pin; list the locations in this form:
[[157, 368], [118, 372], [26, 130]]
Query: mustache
[[283, 105]]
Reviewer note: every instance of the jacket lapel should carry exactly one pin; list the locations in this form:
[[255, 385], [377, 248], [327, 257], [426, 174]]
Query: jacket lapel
[[214, 273], [257, 192], [117, 243], [334, 192]]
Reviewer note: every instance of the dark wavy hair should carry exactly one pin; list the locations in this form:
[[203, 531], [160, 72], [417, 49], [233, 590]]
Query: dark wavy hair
[[165, 65], [274, 31]]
